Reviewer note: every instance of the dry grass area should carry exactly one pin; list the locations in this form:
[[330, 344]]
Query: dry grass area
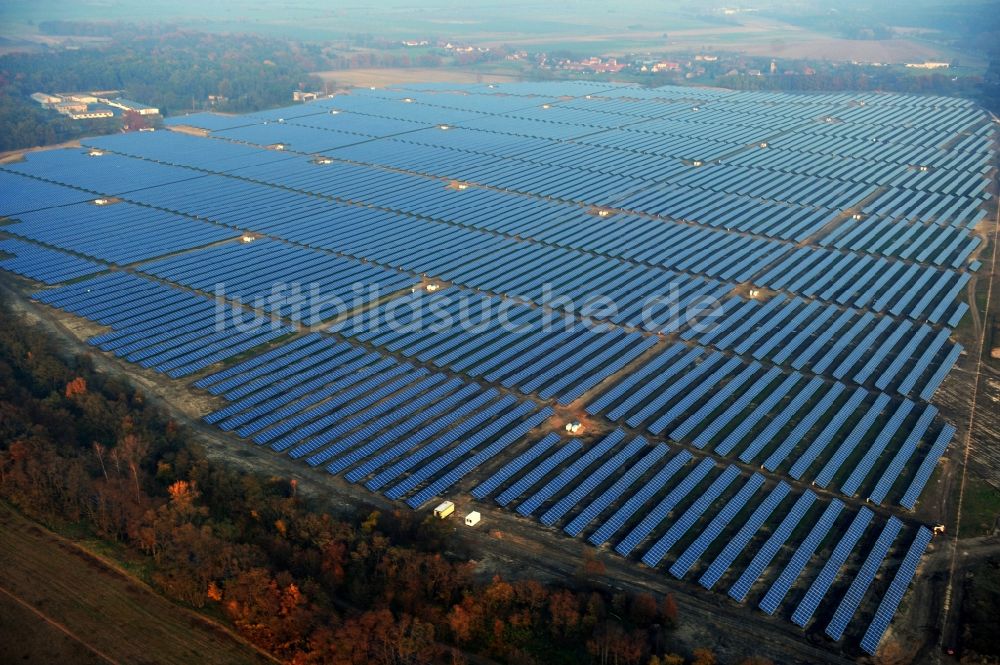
[[810, 45], [794, 42], [752, 36], [93, 612], [393, 76]]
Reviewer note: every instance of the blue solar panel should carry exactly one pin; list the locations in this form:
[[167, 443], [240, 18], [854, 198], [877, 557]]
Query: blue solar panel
[[805, 424], [769, 603], [591, 483], [377, 211], [751, 322], [923, 362], [371, 412], [714, 402], [43, 264], [942, 370], [683, 564], [817, 590], [609, 496], [902, 456], [536, 474], [878, 357], [587, 375], [172, 331], [604, 446], [778, 337], [901, 358], [692, 396], [660, 512], [770, 548], [823, 439], [750, 421], [641, 394], [464, 408], [780, 420], [358, 400], [800, 338], [843, 340], [890, 601], [859, 585], [482, 456], [852, 440], [426, 406], [470, 424], [639, 499], [253, 366], [876, 448], [291, 401], [824, 338], [736, 407], [468, 444], [655, 554], [734, 547], [860, 348], [926, 468], [491, 484], [662, 398]]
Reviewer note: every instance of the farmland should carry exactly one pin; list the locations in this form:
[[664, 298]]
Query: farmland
[[747, 300], [84, 610]]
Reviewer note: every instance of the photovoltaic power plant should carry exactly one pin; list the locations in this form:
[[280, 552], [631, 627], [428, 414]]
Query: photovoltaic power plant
[[741, 304]]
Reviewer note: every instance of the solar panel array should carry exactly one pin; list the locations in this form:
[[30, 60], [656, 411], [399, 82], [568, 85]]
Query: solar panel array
[[161, 327], [411, 288], [42, 264]]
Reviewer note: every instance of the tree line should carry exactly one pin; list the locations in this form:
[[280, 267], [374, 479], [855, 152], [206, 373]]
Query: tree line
[[173, 70], [83, 448]]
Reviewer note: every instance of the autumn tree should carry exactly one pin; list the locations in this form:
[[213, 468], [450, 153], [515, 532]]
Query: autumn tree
[[77, 386], [564, 611], [643, 609], [702, 657], [612, 645], [668, 610]]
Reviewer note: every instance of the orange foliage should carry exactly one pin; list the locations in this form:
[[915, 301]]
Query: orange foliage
[[644, 609], [499, 593], [460, 622], [77, 386], [180, 491], [668, 612], [703, 657], [565, 611]]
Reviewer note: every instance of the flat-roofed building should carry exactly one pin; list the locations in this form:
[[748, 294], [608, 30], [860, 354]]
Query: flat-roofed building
[[129, 105]]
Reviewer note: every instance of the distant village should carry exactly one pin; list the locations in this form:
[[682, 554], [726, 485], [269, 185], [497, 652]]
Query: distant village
[[691, 66]]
